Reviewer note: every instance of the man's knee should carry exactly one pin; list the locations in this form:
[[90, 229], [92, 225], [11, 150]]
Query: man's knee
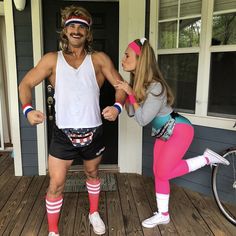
[[55, 189], [56, 184], [91, 172]]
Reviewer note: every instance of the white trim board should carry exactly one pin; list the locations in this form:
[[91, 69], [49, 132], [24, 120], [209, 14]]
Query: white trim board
[[37, 39]]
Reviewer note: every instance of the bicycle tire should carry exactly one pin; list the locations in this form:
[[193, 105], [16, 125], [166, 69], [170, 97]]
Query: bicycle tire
[[225, 177]]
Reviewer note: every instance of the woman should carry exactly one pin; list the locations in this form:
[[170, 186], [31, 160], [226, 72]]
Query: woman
[[150, 101]]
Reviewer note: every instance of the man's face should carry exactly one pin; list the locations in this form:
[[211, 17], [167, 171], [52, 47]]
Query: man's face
[[77, 34]]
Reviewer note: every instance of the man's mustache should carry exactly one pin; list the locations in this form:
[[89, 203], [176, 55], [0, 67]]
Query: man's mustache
[[79, 34]]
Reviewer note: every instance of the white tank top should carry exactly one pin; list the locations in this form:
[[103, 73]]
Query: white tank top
[[76, 95]]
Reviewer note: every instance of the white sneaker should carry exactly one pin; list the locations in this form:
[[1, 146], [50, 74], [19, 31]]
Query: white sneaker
[[52, 234], [156, 219], [214, 158], [97, 223]]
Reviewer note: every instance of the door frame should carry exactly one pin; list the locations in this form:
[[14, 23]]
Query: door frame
[[131, 26]]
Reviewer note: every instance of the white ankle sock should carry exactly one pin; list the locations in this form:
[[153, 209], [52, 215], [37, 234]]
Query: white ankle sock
[[196, 163], [162, 202]]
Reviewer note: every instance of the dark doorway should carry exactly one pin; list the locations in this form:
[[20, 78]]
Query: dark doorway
[[106, 38]]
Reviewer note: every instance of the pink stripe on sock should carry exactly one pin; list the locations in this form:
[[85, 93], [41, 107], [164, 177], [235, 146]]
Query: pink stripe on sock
[[165, 213]]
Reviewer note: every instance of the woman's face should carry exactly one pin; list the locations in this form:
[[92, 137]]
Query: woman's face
[[129, 60]]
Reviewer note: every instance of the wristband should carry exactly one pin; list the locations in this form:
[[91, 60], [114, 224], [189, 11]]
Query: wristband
[[127, 100], [118, 106], [26, 109], [132, 99]]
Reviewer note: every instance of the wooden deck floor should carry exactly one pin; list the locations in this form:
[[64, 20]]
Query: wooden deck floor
[[22, 208]]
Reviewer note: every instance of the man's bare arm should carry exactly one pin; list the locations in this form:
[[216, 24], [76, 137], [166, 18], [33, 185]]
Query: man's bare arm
[[35, 76], [112, 75]]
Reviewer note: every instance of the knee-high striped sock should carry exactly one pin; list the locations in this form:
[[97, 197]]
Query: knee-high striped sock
[[93, 187], [53, 206]]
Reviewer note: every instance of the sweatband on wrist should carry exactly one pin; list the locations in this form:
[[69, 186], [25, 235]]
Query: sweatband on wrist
[[118, 106], [26, 109], [132, 99], [127, 100]]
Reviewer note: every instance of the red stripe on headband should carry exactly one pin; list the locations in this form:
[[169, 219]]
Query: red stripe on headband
[[78, 18], [133, 45]]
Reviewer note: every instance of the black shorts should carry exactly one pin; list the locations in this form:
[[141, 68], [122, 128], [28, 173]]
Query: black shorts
[[61, 146]]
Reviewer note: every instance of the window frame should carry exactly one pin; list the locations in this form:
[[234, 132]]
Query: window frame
[[205, 49]]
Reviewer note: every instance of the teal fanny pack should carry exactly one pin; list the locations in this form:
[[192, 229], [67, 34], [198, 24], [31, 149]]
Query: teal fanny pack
[[165, 132]]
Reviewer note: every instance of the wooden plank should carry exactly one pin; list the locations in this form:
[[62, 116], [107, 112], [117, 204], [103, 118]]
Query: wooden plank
[[231, 208], [184, 215], [68, 212], [7, 189], [130, 214], [81, 227], [37, 214], [23, 210], [5, 163], [114, 213], [142, 204], [44, 227], [7, 174], [211, 214], [149, 187], [9, 209], [3, 156]]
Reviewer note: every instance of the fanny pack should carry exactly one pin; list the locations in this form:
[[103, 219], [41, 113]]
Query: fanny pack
[[165, 132], [80, 137]]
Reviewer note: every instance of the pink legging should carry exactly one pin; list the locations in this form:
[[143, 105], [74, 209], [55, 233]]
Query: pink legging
[[168, 163]]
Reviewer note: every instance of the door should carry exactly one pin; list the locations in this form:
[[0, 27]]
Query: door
[[106, 38]]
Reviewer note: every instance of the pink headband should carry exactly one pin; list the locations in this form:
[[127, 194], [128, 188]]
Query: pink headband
[[133, 45]]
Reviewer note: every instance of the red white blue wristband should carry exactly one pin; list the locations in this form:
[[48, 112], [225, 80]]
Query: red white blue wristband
[[118, 106], [26, 109]]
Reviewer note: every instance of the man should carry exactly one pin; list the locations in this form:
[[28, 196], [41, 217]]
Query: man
[[77, 74]]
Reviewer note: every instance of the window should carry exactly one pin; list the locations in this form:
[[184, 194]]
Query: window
[[195, 43], [179, 23], [180, 27], [180, 71], [222, 93]]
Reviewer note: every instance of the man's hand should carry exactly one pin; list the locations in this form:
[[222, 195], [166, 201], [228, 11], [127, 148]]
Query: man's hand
[[124, 86], [110, 113], [35, 117]]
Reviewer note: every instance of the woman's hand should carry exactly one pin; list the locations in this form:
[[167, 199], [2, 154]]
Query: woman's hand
[[124, 86]]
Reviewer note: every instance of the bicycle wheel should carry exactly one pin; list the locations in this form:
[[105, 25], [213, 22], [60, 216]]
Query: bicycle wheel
[[224, 186]]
